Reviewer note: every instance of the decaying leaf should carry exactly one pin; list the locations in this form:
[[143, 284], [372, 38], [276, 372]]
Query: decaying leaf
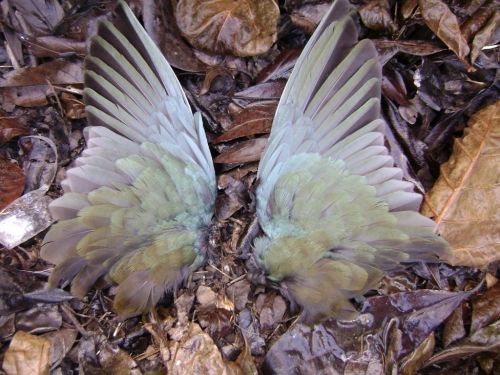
[[486, 309], [192, 351], [11, 127], [402, 322], [11, 182], [464, 202], [59, 71], [376, 15], [308, 16], [252, 120], [27, 354], [241, 28], [31, 16], [167, 36], [485, 340], [243, 152], [414, 361], [444, 24]]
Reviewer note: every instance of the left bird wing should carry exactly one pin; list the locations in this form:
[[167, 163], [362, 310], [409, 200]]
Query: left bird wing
[[141, 195]]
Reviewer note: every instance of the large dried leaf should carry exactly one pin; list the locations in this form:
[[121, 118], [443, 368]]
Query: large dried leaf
[[444, 24], [464, 202], [241, 28], [27, 354]]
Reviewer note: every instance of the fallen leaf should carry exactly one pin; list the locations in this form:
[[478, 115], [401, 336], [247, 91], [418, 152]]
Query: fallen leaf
[[308, 16], [96, 355], [54, 46], [485, 340], [271, 308], [415, 360], [215, 75], [235, 197], [376, 15], [408, 7], [11, 127], [11, 182], [265, 90], [444, 24], [243, 152], [194, 352], [418, 312], [238, 293], [281, 67], [241, 28], [251, 120], [473, 24], [454, 328], [27, 354], [485, 35], [159, 22], [39, 319], [23, 96], [41, 17], [57, 72], [486, 308], [61, 341], [74, 108], [399, 322], [464, 201]]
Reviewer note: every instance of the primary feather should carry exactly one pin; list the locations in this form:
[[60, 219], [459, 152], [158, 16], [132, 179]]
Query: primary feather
[[334, 209], [139, 199]]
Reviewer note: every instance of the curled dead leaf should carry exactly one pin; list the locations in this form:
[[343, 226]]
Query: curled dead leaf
[[241, 28], [464, 202], [441, 20]]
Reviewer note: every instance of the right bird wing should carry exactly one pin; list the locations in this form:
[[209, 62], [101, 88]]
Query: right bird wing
[[334, 209], [137, 204]]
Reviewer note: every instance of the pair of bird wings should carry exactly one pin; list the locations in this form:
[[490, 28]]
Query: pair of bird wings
[[334, 209]]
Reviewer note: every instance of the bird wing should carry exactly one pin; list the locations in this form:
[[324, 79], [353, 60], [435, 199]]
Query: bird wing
[[139, 198], [334, 209]]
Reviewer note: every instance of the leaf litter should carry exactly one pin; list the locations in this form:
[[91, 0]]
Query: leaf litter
[[439, 69]]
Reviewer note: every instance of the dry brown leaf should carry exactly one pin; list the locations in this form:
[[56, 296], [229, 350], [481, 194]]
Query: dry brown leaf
[[11, 127], [243, 152], [309, 16], [252, 120], [11, 182], [241, 28], [376, 15], [194, 352], [27, 354], [464, 202], [485, 35], [444, 24], [57, 72]]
